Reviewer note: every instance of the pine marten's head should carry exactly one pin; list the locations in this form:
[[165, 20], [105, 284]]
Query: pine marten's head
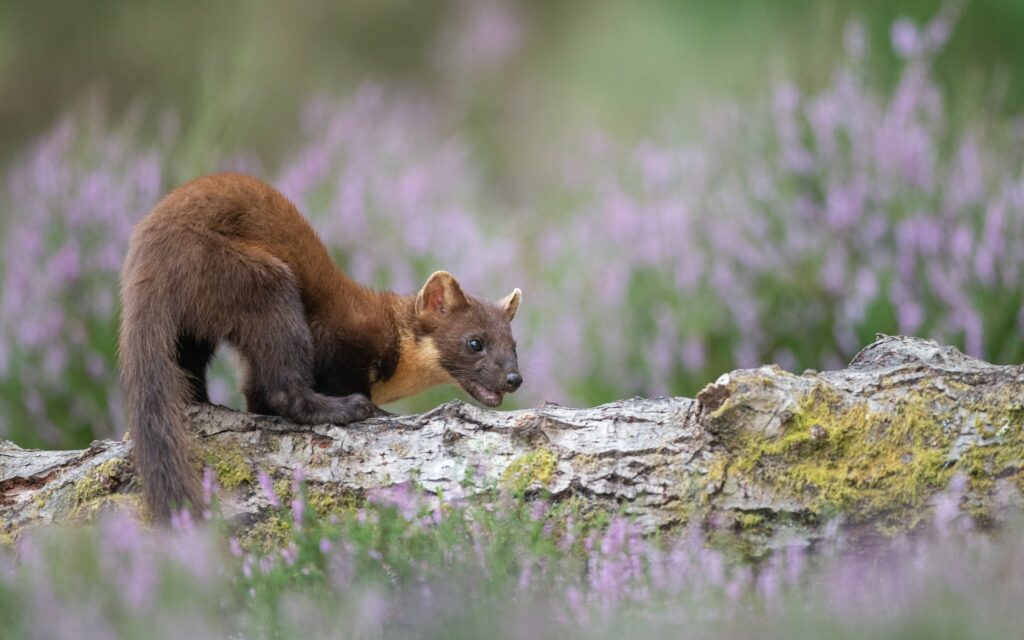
[[473, 338]]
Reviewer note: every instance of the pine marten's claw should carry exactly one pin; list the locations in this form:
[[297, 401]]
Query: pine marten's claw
[[381, 413]]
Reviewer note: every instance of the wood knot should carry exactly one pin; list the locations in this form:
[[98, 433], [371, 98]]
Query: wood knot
[[450, 437], [713, 396], [529, 428]]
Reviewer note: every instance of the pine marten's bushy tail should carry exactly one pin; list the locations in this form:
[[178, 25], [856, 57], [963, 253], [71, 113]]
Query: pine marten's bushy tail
[[155, 396]]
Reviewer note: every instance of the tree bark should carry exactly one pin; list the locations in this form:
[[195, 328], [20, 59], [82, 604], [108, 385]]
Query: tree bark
[[761, 457]]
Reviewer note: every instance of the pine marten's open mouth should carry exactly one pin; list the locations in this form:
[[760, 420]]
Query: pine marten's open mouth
[[482, 394]]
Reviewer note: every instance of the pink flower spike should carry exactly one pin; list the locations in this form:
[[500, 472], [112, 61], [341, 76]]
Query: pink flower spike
[[268, 489], [209, 484]]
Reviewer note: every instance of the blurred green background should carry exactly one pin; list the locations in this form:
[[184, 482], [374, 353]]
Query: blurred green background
[[236, 73], [679, 187]]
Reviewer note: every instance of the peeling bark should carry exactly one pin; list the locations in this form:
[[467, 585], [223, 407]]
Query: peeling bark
[[762, 456]]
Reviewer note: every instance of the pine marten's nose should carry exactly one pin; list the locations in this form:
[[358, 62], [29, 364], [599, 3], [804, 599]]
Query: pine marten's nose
[[513, 381]]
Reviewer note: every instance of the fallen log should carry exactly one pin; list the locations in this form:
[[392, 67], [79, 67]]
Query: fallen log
[[761, 457]]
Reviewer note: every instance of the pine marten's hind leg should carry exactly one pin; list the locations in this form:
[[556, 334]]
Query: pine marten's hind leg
[[261, 305], [277, 356]]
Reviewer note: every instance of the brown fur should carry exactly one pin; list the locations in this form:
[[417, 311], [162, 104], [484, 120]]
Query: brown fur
[[228, 259]]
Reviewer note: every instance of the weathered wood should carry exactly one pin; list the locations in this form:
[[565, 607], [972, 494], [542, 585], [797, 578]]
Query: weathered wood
[[762, 455]]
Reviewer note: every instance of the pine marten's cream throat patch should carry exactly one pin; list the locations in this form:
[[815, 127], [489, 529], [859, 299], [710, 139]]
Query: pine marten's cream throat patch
[[419, 368]]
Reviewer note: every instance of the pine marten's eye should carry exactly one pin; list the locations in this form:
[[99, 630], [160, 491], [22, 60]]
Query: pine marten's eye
[[475, 345]]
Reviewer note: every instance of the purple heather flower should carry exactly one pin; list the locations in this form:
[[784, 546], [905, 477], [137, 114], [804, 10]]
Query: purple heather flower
[[947, 505], [400, 496], [268, 489], [289, 553], [538, 510], [525, 577], [209, 484], [906, 39]]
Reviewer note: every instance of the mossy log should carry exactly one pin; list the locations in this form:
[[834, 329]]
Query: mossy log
[[761, 456]]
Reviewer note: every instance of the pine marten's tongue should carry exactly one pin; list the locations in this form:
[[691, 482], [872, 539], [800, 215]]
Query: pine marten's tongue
[[482, 394]]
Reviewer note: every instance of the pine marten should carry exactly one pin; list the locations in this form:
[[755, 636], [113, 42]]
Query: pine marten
[[227, 259]]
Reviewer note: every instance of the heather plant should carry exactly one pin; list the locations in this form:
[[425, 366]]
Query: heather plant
[[73, 199], [395, 196], [407, 564], [792, 232]]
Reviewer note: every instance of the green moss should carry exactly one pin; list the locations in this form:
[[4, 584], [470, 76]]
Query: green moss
[[878, 464], [587, 515], [999, 419], [536, 467], [99, 481], [328, 499], [94, 491], [847, 458], [230, 466], [268, 535], [713, 479], [116, 501], [749, 520], [283, 490], [42, 498], [978, 463]]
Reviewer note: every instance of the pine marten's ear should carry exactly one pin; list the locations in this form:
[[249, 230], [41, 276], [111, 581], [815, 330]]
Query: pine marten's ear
[[510, 303], [441, 294]]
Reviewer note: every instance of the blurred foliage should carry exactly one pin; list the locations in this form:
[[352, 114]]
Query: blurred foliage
[[679, 188], [399, 564], [242, 69]]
